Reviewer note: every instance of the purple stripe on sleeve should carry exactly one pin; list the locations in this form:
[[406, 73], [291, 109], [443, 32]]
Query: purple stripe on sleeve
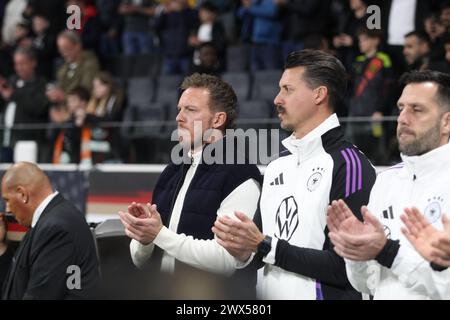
[[358, 160], [347, 179], [319, 293], [354, 170]]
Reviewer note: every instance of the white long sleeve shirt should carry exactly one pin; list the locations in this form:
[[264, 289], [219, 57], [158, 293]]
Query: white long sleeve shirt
[[207, 255]]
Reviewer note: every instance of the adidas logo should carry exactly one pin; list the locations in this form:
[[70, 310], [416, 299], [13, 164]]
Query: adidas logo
[[278, 181], [388, 213]]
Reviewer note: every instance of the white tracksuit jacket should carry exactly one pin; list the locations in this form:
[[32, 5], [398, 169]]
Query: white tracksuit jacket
[[421, 181], [297, 189]]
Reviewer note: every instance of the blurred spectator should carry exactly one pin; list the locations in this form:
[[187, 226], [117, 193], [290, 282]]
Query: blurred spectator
[[370, 75], [300, 19], [105, 105], [13, 16], [398, 18], [266, 33], [445, 15], [22, 36], [174, 25], [434, 27], [137, 36], [435, 30], [23, 101], [111, 26], [44, 43], [71, 143], [346, 41], [444, 64], [210, 30], [209, 60], [90, 30], [417, 50], [54, 10], [79, 68]]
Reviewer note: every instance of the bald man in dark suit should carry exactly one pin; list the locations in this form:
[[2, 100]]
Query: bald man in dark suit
[[56, 259]]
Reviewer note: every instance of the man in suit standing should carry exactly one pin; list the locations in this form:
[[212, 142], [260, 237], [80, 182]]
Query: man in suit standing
[[56, 259]]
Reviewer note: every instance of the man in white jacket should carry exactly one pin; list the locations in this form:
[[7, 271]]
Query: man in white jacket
[[288, 240], [379, 259]]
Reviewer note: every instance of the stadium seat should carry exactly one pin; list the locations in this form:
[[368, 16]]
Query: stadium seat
[[240, 81], [168, 88], [265, 85], [252, 111], [140, 92], [238, 58]]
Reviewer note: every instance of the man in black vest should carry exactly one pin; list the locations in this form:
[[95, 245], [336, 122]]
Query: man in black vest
[[56, 259], [176, 230]]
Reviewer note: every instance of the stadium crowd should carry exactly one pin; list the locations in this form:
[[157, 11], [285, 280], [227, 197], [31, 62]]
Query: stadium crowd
[[107, 91]]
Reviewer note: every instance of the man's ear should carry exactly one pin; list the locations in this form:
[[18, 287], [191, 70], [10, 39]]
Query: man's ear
[[320, 94], [220, 118], [22, 193], [445, 124]]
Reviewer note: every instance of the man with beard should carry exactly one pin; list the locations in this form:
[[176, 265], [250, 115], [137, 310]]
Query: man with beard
[[379, 259], [175, 231], [292, 250]]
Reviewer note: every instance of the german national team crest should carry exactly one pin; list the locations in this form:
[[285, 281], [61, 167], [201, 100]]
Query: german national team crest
[[286, 219], [315, 179], [433, 209]]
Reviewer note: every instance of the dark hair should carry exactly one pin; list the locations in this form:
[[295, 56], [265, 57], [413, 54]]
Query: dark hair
[[30, 53], [432, 15], [208, 44], [421, 35], [107, 79], [41, 15], [209, 6], [439, 78], [371, 33], [445, 5], [80, 92], [221, 95], [321, 69]]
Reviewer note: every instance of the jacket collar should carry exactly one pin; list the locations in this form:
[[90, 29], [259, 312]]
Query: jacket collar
[[312, 140], [40, 209], [428, 163]]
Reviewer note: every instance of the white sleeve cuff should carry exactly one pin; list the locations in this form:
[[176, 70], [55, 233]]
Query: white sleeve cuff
[[406, 262], [140, 253], [242, 265], [270, 258], [164, 237]]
